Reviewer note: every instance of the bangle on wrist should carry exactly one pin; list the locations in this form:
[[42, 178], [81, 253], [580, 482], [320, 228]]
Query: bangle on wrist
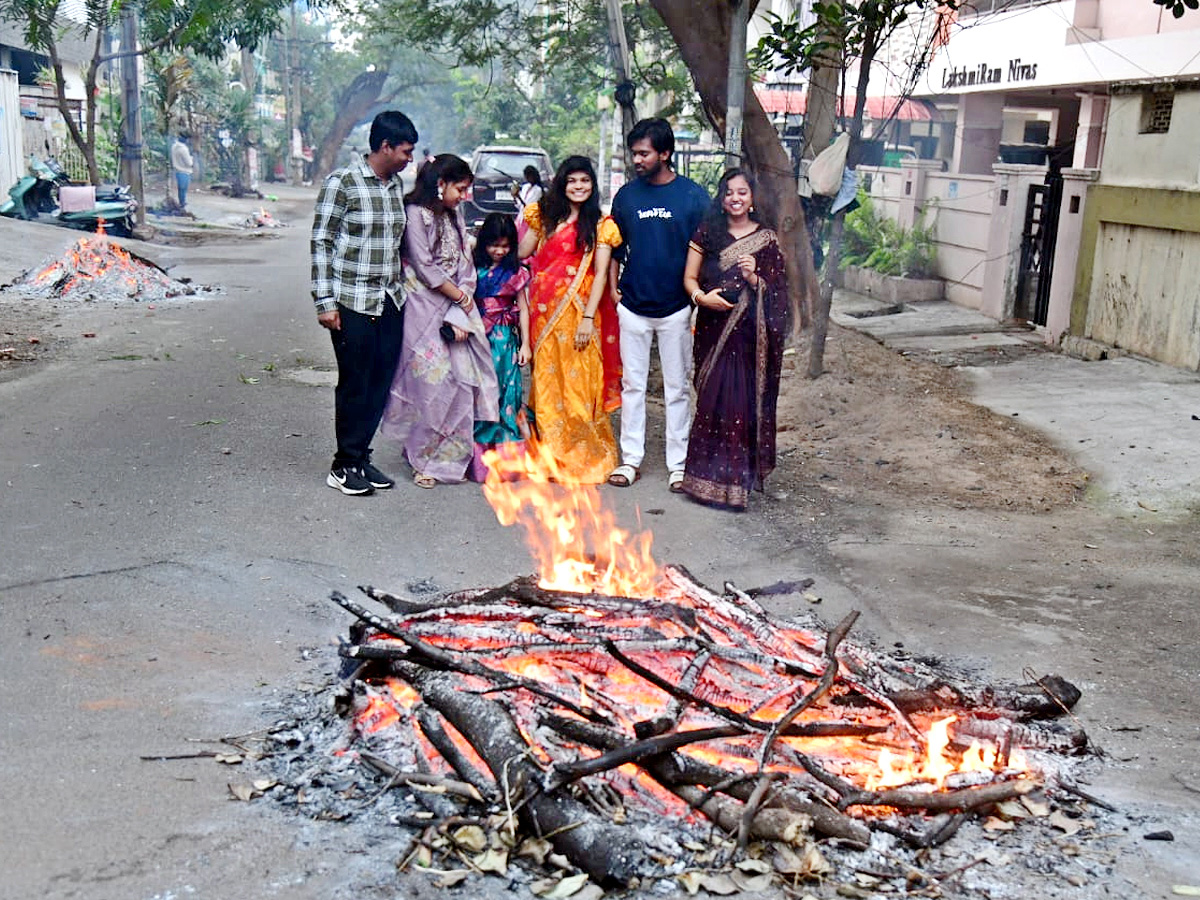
[[696, 293]]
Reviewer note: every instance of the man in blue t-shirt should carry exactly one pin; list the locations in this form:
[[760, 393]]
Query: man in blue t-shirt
[[657, 214]]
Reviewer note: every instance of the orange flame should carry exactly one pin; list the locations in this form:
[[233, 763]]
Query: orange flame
[[937, 765], [575, 540]]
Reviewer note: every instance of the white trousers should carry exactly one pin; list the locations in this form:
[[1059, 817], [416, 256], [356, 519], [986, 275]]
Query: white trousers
[[675, 356]]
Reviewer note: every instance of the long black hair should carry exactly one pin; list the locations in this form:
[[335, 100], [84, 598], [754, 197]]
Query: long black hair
[[496, 227], [714, 220], [556, 208], [446, 168]]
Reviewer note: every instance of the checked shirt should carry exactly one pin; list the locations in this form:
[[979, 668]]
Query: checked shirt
[[357, 228]]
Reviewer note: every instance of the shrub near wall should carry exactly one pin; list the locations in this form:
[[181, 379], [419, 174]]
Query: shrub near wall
[[885, 260]]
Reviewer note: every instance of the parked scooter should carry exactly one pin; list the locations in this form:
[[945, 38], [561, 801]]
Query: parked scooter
[[38, 196]]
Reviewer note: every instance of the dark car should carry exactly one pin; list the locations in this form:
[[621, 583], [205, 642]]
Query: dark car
[[497, 169]]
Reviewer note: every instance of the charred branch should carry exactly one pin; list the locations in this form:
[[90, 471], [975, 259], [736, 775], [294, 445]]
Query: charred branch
[[609, 855]]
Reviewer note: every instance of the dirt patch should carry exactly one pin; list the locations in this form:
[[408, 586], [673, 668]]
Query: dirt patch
[[31, 333], [878, 427]]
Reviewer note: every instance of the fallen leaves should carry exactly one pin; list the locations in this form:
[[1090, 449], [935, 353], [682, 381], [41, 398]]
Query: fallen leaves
[[256, 788], [1068, 825], [560, 888]]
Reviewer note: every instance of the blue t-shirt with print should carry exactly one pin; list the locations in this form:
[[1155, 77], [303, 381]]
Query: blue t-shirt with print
[[656, 222]]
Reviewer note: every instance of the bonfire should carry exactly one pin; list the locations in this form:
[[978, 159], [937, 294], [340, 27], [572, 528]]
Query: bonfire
[[608, 707], [96, 268]]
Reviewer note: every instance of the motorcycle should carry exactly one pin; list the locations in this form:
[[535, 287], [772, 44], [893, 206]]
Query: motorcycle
[[39, 195]]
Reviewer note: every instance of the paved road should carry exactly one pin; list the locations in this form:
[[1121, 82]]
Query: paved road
[[168, 545]]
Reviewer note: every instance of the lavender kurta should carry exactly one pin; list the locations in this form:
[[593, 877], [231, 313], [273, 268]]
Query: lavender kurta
[[441, 388]]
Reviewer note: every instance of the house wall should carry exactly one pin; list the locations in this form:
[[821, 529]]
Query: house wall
[[1156, 160], [1137, 284], [1138, 281], [960, 207], [12, 163]]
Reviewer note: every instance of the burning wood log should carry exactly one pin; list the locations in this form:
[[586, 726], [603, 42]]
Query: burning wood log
[[691, 701], [608, 855], [97, 267]]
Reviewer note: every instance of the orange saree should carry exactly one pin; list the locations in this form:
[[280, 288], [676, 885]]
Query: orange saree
[[572, 391]]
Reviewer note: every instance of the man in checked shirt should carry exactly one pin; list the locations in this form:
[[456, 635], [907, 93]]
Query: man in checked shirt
[[356, 285]]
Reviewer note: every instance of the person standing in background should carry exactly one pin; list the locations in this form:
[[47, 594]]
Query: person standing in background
[[576, 375], [531, 190], [657, 214], [357, 230], [182, 164]]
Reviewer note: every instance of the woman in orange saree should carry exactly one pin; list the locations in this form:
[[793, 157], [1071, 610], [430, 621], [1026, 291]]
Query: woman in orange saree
[[576, 379]]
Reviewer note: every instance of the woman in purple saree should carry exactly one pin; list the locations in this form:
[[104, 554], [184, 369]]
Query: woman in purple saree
[[445, 381], [735, 275]]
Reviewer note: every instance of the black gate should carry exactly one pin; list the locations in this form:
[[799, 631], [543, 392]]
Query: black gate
[[1037, 250]]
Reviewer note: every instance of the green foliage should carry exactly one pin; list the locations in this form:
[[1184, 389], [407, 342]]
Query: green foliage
[[489, 41], [875, 242], [840, 33], [1178, 7]]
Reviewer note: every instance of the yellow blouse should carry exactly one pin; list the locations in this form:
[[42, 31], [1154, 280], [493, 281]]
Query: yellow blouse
[[606, 231]]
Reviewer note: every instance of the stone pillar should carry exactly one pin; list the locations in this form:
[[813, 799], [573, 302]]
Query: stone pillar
[[912, 190], [1009, 198], [977, 133], [1066, 250], [1089, 136]]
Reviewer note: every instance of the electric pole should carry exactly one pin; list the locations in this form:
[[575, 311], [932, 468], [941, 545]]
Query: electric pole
[[295, 161], [131, 134], [624, 93], [735, 89]]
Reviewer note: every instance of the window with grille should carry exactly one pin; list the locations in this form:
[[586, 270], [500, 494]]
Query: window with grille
[[1156, 112]]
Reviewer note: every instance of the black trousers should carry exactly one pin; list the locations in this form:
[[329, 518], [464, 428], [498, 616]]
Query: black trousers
[[367, 350]]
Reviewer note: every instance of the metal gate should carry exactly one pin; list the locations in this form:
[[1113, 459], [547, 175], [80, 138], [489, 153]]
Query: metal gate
[[1038, 238]]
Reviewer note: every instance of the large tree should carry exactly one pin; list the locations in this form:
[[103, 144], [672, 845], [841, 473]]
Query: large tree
[[843, 43], [703, 42], [204, 26]]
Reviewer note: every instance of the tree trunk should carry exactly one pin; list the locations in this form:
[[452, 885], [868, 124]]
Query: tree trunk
[[703, 42], [833, 260], [353, 105], [64, 108], [816, 356], [820, 121]]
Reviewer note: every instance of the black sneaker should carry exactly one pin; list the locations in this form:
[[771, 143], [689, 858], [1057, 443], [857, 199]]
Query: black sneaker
[[378, 480], [349, 480]]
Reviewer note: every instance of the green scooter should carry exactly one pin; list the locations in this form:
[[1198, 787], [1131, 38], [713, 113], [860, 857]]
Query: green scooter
[[35, 197]]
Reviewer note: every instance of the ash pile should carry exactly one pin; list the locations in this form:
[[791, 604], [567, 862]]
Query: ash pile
[[581, 744], [95, 269]]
